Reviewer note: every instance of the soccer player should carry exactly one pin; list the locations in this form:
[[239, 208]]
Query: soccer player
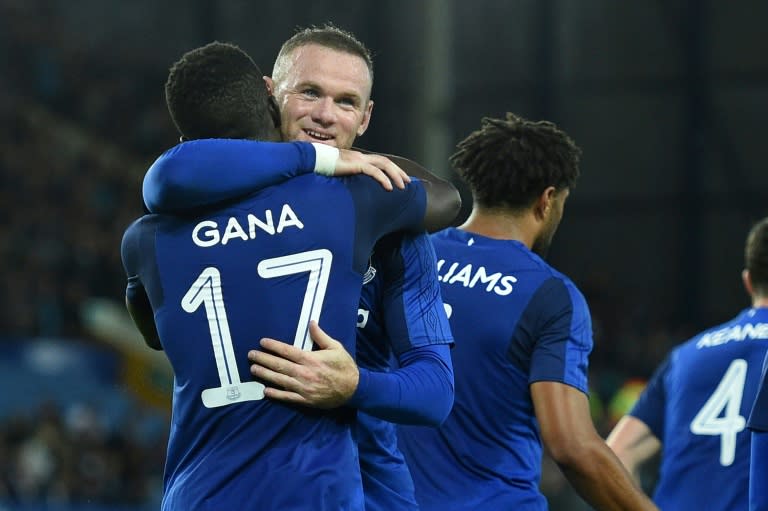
[[322, 80], [758, 424], [268, 264], [695, 406], [523, 335]]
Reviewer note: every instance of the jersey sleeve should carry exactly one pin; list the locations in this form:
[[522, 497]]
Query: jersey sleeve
[[414, 314], [130, 254], [204, 172], [379, 212], [564, 335], [420, 392], [650, 406], [758, 418]]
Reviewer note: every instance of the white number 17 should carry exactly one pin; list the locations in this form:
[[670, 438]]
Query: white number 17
[[206, 291]]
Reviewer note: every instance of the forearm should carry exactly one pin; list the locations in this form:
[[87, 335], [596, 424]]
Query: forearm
[[420, 392], [601, 480], [634, 444], [443, 199], [141, 313], [203, 172]]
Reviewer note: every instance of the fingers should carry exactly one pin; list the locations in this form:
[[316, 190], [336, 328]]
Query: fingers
[[320, 338], [282, 349], [393, 172], [286, 396], [272, 362], [379, 167], [274, 377]]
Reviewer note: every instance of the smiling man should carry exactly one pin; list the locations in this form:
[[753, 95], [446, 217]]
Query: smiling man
[[322, 83], [323, 87]]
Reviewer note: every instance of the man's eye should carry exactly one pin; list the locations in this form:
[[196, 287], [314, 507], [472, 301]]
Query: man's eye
[[312, 93], [347, 102]]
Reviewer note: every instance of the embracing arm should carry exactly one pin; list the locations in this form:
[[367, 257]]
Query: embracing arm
[[587, 462], [203, 172], [634, 443], [419, 392], [443, 199], [140, 310]]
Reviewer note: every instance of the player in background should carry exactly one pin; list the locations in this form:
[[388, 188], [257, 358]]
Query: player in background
[[523, 336], [758, 425], [201, 286], [693, 410], [322, 80]]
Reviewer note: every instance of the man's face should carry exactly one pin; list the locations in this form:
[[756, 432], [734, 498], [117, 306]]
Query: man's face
[[323, 95], [552, 221]]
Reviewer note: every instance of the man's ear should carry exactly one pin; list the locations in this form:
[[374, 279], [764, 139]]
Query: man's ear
[[270, 85], [746, 278], [366, 118], [543, 204]]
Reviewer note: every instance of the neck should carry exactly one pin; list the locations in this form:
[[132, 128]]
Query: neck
[[760, 302], [501, 225]]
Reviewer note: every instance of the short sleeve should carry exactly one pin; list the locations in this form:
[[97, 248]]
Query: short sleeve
[[564, 334], [412, 305], [651, 404], [758, 418]]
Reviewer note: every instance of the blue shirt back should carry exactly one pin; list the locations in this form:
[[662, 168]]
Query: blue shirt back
[[696, 404], [261, 267], [400, 309], [515, 321]]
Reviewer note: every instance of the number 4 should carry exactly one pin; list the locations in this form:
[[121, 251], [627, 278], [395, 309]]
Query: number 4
[[725, 401]]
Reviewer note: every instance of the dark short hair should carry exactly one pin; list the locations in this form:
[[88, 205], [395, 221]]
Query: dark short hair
[[509, 162], [217, 91], [329, 36], [756, 256]]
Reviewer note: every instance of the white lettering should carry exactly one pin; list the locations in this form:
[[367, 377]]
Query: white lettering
[[464, 275], [450, 272], [484, 278], [505, 287], [733, 333], [468, 277], [267, 225], [212, 234], [207, 233], [288, 219], [233, 230]]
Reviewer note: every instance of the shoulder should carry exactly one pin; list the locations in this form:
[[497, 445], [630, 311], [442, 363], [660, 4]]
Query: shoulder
[[557, 290], [136, 228]]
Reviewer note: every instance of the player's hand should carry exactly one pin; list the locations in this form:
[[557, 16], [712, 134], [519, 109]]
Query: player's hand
[[325, 378], [380, 168]]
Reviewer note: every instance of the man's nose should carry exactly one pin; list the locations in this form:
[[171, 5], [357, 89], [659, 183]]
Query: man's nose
[[324, 112]]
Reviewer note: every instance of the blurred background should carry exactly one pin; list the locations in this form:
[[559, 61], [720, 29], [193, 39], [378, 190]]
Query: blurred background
[[667, 99]]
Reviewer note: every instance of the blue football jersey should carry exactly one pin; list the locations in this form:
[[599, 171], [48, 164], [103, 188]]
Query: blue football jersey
[[400, 309], [260, 267], [758, 423], [697, 403], [516, 321]]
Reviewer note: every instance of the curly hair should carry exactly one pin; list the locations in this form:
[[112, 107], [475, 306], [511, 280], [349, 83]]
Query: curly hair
[[328, 36], [217, 91], [756, 256], [509, 162]]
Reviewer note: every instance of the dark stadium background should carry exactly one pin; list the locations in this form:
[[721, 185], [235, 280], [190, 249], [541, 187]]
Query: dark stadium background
[[667, 98]]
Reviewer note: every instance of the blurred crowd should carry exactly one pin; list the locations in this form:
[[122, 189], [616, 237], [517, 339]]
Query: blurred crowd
[[77, 131], [56, 457]]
